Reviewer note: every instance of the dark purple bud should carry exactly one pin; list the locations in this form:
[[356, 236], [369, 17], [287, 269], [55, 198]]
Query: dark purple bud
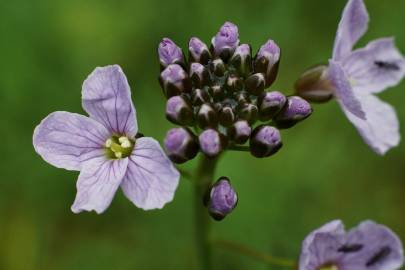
[[240, 132], [295, 110], [222, 199], [234, 83], [242, 98], [226, 116], [216, 92], [169, 53], [255, 83], [217, 66], [181, 145], [198, 51], [242, 59], [199, 75], [226, 41], [265, 141], [314, 85], [267, 61], [269, 104], [174, 80], [179, 111], [211, 142], [248, 112], [199, 97], [207, 117]]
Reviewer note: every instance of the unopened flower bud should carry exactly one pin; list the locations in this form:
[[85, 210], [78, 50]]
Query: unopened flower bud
[[211, 142], [255, 83], [267, 61], [295, 110], [217, 66], [226, 41], [199, 97], [174, 80], [207, 117], [169, 53], [199, 74], [242, 98], [248, 112], [239, 132], [265, 141], [222, 199], [179, 111], [181, 145], [234, 83], [226, 116], [242, 59], [198, 51], [314, 85], [216, 92], [269, 104]]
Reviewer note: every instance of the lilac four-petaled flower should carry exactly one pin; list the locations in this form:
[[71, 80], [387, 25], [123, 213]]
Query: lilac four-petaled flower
[[105, 147], [369, 246], [357, 75]]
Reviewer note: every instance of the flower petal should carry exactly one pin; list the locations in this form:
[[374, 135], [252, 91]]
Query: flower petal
[[106, 97], [381, 128], [65, 139], [352, 26], [151, 179], [98, 181], [380, 249], [376, 67], [343, 90]]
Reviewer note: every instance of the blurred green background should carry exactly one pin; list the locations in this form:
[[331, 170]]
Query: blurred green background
[[323, 172]]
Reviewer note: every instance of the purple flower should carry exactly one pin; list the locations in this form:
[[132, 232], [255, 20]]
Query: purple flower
[[357, 75], [369, 246], [227, 39], [105, 149], [198, 51], [265, 141], [169, 53], [181, 145], [222, 199], [210, 142]]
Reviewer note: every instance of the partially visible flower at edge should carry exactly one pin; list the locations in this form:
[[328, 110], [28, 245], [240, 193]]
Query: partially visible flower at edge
[[105, 147]]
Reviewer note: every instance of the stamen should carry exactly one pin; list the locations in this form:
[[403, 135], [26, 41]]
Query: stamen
[[379, 256], [118, 154], [350, 248], [108, 143], [126, 144], [122, 139]]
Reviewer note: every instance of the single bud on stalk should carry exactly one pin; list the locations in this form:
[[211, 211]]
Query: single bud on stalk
[[179, 111], [222, 199], [211, 142], [217, 66], [226, 41], [295, 110], [169, 53], [181, 145], [207, 117], [242, 60], [248, 112], [255, 83], [314, 85], [198, 51], [269, 104], [174, 81], [234, 83], [199, 74], [239, 132], [226, 116], [267, 61], [199, 97], [265, 141]]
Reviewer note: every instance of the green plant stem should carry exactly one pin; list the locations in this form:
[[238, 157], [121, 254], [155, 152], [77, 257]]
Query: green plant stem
[[204, 178], [241, 148], [232, 246]]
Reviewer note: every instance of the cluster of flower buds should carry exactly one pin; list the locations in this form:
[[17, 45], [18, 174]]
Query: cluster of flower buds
[[218, 96], [221, 199]]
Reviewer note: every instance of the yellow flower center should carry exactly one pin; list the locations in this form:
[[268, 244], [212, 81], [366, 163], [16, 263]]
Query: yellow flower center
[[119, 147]]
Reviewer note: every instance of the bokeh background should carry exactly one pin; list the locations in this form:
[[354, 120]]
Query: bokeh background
[[323, 172]]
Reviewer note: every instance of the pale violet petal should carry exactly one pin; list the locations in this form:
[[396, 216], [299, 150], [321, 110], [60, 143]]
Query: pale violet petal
[[98, 181], [376, 67], [343, 90], [106, 97], [352, 26], [65, 139], [151, 179]]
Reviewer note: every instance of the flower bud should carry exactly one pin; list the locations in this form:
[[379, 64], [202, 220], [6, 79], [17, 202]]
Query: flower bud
[[248, 112], [314, 86], [198, 51], [267, 61], [226, 116], [226, 41], [269, 104], [295, 110], [169, 53], [234, 83], [255, 83], [207, 117], [222, 199], [181, 145], [179, 111], [199, 74], [239, 132], [217, 66], [199, 97], [242, 98], [211, 142], [242, 59], [174, 80], [265, 141], [216, 92]]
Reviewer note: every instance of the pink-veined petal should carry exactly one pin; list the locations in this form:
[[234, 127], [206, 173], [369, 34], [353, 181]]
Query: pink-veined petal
[[106, 97], [151, 179], [65, 139]]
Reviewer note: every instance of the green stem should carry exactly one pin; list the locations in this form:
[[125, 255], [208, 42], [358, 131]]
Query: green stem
[[204, 178], [241, 148]]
